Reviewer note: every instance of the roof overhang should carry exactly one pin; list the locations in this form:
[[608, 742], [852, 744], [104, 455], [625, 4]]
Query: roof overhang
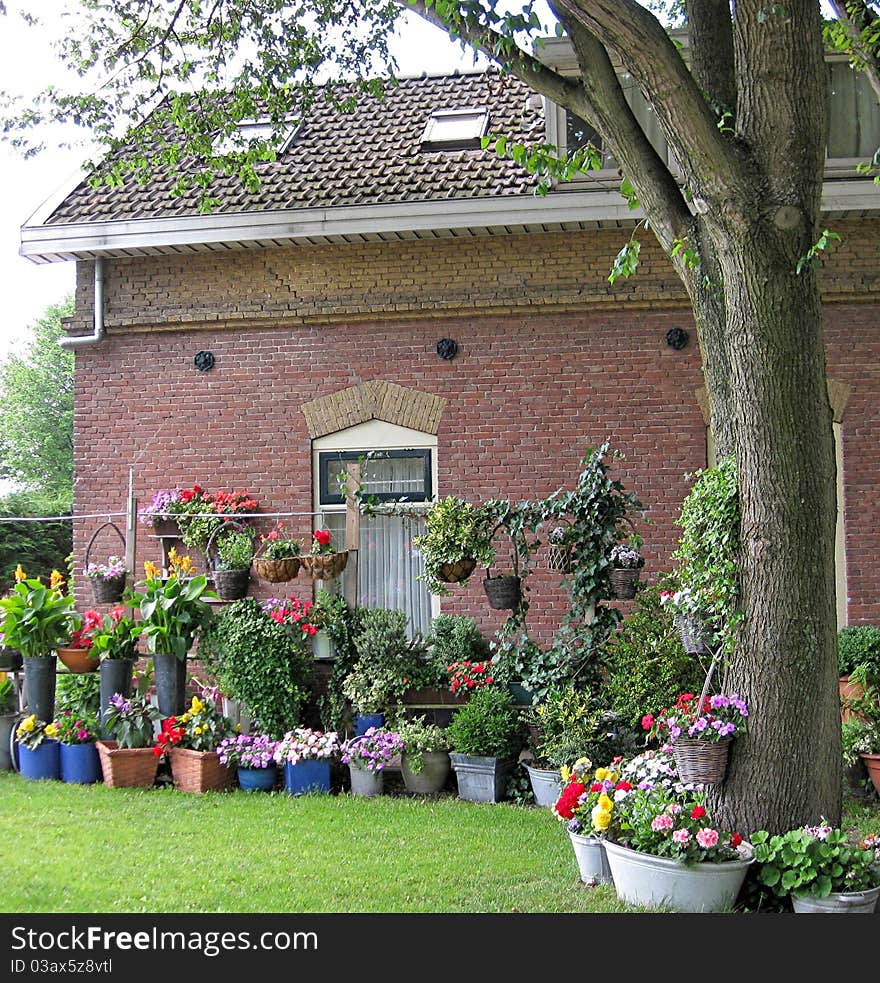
[[447, 218]]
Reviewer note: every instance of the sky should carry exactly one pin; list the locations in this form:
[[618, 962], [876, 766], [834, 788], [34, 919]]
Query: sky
[[27, 62]]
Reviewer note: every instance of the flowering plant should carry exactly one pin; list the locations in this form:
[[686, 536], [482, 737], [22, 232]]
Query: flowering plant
[[274, 545], [83, 636], [815, 860], [626, 557], [200, 513], [718, 717], [34, 618], [304, 744], [587, 802], [373, 750], [322, 542], [163, 504], [77, 728], [466, 675], [201, 728], [111, 570], [32, 732], [293, 612], [559, 535], [130, 720], [116, 636], [248, 751], [683, 601]]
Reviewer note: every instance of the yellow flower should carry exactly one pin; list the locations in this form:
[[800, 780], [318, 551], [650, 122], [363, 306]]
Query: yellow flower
[[613, 776], [56, 580], [197, 705], [197, 730], [602, 774], [152, 571], [238, 728], [181, 565], [185, 719], [601, 819], [28, 724], [605, 803], [20, 575], [51, 730]]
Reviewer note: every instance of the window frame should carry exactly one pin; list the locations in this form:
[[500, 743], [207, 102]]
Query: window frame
[[326, 497], [430, 142]]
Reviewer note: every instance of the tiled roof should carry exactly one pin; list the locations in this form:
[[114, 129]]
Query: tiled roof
[[367, 157]]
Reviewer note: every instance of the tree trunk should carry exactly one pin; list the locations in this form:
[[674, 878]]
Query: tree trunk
[[787, 770]]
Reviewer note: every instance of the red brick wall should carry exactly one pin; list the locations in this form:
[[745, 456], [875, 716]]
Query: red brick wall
[[537, 380]]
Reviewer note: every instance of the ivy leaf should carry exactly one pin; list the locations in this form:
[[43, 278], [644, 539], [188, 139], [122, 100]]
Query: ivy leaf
[[626, 262]]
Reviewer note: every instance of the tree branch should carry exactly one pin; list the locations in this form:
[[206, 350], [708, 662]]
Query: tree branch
[[855, 16], [711, 48]]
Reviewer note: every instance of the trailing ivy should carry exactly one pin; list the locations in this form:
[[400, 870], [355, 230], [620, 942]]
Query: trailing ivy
[[341, 624]]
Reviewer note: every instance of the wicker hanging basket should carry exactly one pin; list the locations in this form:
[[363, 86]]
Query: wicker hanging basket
[[624, 582], [703, 762], [232, 585], [106, 590], [455, 573], [277, 571], [504, 591], [124, 767], [559, 554], [324, 566], [199, 771]]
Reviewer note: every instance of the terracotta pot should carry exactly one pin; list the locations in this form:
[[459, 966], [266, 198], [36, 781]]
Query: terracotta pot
[[848, 691], [78, 660], [872, 763]]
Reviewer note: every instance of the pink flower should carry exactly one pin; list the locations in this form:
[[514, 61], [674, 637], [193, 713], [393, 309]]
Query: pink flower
[[681, 836], [663, 822], [707, 838]]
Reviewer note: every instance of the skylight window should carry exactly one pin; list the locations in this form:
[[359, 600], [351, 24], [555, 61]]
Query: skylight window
[[455, 129], [253, 129]]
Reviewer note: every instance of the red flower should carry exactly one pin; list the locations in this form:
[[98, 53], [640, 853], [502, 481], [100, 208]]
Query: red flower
[[698, 812], [735, 840], [197, 489], [647, 721], [470, 684], [596, 787], [322, 536], [490, 680], [623, 787]]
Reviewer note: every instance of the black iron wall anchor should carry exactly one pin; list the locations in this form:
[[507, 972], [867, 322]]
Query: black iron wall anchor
[[447, 348], [677, 338], [204, 361]]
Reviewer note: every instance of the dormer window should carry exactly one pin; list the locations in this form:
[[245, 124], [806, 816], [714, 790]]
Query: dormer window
[[455, 129], [253, 129]]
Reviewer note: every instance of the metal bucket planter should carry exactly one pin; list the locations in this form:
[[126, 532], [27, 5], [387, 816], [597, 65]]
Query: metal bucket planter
[[7, 727], [848, 903], [481, 779], [306, 776], [546, 785], [691, 634], [257, 779], [115, 678], [39, 686], [364, 782], [43, 762], [364, 721], [10, 660], [504, 591], [652, 882], [589, 852], [432, 776]]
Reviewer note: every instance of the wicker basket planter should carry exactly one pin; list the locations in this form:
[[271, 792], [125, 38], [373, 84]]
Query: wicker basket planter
[[701, 761], [277, 571], [624, 581], [455, 573], [199, 771], [107, 590], [124, 767], [324, 566], [504, 592], [559, 558], [232, 585]]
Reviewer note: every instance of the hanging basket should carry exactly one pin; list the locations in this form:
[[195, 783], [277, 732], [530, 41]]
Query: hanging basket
[[277, 571], [106, 590], [703, 762], [232, 585], [624, 581], [559, 554], [504, 592], [324, 566], [455, 573]]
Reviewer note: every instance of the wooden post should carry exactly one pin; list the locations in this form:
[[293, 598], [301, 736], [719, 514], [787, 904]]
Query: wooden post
[[130, 526], [352, 534]]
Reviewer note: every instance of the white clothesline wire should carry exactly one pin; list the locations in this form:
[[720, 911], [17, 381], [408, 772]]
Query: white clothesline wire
[[189, 515]]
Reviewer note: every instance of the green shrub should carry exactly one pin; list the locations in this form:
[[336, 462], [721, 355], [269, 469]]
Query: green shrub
[[265, 665], [487, 725], [454, 638], [646, 664], [573, 725], [79, 692], [858, 651], [235, 550]]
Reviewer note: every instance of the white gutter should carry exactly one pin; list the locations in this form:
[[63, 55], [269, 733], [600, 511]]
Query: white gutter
[[97, 336]]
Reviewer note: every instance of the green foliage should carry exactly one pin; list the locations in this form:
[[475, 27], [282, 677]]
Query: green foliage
[[487, 725], [79, 692], [645, 662], [117, 637], [40, 547], [419, 738], [708, 551], [455, 530], [340, 623], [810, 259], [35, 619], [454, 638], [7, 696], [266, 666], [858, 652], [173, 612], [235, 550], [626, 262], [36, 414]]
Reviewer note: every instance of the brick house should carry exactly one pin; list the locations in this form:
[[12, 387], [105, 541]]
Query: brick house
[[376, 236]]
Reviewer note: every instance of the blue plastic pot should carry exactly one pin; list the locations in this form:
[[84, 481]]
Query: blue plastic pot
[[306, 776], [364, 721], [80, 764], [257, 779], [42, 762]]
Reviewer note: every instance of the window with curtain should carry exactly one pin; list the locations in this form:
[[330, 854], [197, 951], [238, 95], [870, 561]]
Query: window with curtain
[[388, 563]]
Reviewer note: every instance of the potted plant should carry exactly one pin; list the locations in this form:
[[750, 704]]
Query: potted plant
[[201, 514], [586, 805], [160, 513], [127, 758], [305, 754], [77, 654], [35, 620], [107, 580], [457, 537], [173, 611], [626, 564], [367, 756], [485, 737], [232, 569], [858, 657], [862, 732], [114, 643], [259, 653], [424, 759], [323, 561], [818, 869], [190, 741], [278, 559], [560, 542], [701, 733], [253, 756], [454, 641], [38, 752], [77, 733], [8, 715]]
